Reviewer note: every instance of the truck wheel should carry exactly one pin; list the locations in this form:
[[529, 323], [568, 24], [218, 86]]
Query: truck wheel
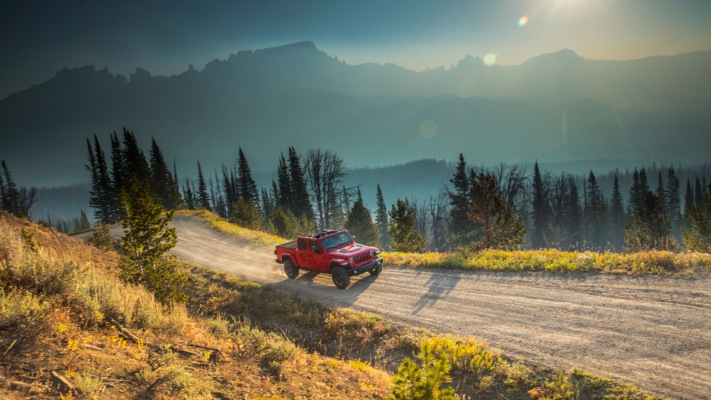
[[291, 271], [340, 277], [377, 269]]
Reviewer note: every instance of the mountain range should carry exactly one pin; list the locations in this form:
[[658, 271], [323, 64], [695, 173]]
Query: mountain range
[[554, 107]]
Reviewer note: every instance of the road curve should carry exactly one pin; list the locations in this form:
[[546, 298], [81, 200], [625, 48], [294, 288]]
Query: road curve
[[651, 331]]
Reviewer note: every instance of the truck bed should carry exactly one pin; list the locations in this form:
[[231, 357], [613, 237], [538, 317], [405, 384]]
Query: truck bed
[[288, 245]]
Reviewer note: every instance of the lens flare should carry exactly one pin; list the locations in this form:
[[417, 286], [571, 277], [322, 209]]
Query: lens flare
[[490, 59], [522, 21], [429, 129]]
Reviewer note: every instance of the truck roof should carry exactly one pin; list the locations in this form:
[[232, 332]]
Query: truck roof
[[322, 234]]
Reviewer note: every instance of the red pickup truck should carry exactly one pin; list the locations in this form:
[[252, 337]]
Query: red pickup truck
[[335, 252]]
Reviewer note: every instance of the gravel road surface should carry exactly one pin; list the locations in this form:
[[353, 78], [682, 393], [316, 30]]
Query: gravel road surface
[[652, 331]]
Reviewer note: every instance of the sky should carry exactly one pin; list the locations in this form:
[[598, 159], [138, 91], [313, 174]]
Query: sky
[[38, 38]]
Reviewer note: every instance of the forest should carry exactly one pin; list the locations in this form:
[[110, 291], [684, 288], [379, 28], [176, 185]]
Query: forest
[[499, 207]]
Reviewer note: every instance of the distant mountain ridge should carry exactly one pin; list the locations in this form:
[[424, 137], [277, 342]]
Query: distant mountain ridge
[[555, 107]]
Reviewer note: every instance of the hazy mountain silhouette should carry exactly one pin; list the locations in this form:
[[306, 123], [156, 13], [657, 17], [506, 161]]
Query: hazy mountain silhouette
[[554, 107]]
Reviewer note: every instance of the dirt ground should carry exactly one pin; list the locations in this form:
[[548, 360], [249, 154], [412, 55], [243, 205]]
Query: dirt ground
[[652, 331]]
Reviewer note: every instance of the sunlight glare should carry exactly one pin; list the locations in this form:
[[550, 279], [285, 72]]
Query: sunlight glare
[[523, 21], [429, 128], [490, 59]]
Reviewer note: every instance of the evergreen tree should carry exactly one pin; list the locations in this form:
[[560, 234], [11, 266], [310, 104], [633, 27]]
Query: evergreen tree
[[268, 205], [230, 186], [360, 224], [286, 224], [423, 383], [189, 196], [661, 192], [202, 197], [162, 182], [16, 201], [300, 200], [246, 215], [405, 236], [697, 232], [11, 193], [688, 198], [134, 161], [617, 216], [575, 221], [284, 200], [247, 187], [673, 204], [595, 214], [117, 178], [541, 212], [636, 197], [147, 238], [496, 224], [459, 226], [649, 227], [381, 219], [698, 193]]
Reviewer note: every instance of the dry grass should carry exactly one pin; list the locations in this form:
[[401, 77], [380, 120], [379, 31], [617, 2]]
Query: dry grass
[[648, 262], [59, 299]]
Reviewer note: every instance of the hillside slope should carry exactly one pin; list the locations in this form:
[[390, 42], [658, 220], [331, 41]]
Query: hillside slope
[[67, 324]]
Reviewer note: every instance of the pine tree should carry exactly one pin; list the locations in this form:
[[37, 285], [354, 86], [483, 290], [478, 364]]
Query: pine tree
[[661, 192], [12, 194], [162, 182], [267, 204], [496, 224], [649, 227], [16, 201], [423, 383], [360, 223], [147, 238], [203, 198], [688, 198], [595, 214], [673, 204], [697, 232], [459, 225], [117, 178], [229, 192], [189, 196], [246, 215], [247, 187], [284, 200], [134, 161], [698, 193], [405, 236], [300, 200], [617, 216], [381, 219], [541, 212], [636, 197], [575, 222]]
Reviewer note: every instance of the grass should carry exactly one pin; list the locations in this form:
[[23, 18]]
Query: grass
[[61, 301], [640, 263]]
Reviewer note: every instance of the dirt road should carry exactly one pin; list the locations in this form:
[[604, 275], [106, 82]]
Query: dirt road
[[654, 332]]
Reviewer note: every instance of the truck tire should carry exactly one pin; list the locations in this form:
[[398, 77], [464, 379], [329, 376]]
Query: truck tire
[[377, 269], [291, 271], [340, 277]]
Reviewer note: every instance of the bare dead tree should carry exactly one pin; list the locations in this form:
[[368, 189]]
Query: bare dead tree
[[324, 172]]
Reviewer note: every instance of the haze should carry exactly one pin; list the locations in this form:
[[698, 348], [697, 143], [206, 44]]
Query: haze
[[42, 37]]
